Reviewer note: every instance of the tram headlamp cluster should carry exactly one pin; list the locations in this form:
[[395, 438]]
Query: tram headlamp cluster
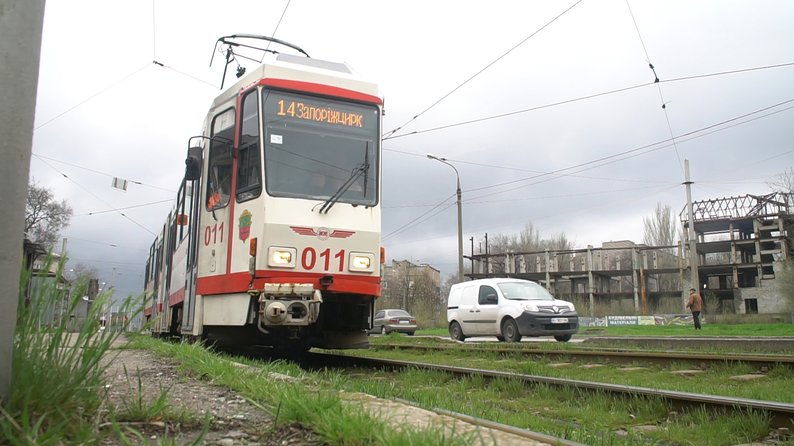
[[280, 257], [362, 262]]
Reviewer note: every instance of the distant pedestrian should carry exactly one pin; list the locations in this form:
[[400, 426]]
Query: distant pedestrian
[[695, 305]]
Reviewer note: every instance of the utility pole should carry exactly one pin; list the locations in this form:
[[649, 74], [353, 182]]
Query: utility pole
[[20, 46], [461, 275], [693, 254]]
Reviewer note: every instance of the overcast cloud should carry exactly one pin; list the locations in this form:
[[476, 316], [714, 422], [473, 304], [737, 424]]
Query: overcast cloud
[[106, 110]]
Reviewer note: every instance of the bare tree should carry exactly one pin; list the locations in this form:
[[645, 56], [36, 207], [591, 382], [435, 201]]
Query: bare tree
[[82, 274], [783, 182], [44, 216], [661, 227], [528, 240]]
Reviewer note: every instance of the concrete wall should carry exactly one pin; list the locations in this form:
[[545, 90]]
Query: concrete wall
[[773, 296]]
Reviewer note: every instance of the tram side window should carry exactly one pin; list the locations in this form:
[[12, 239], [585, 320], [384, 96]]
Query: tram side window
[[249, 169], [219, 181]]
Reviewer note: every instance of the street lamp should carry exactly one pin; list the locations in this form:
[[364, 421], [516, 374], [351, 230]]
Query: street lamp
[[460, 215]]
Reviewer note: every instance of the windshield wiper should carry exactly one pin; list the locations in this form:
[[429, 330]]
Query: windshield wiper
[[357, 172]]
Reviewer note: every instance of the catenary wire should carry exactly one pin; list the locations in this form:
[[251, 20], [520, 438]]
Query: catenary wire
[[644, 147], [275, 30], [392, 132], [97, 197], [689, 135], [591, 96], [162, 65], [625, 155], [658, 87], [410, 223], [494, 166], [92, 96], [106, 243], [125, 208], [100, 172]]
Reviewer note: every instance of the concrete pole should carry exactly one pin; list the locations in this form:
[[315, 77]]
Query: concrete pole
[[460, 215], [693, 254], [20, 45]]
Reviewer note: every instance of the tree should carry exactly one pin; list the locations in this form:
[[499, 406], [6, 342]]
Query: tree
[[783, 182], [44, 216], [528, 240], [661, 227]]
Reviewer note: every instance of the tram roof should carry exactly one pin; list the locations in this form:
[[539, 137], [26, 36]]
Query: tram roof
[[298, 68]]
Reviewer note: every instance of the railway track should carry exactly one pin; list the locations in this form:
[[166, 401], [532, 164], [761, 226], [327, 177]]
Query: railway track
[[613, 355], [781, 415]]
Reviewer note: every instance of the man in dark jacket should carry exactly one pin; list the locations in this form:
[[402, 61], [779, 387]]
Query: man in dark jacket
[[695, 305]]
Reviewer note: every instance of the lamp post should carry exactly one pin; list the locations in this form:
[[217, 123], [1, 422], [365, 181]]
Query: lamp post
[[460, 214]]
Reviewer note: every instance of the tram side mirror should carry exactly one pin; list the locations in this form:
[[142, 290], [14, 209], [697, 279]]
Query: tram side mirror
[[193, 163]]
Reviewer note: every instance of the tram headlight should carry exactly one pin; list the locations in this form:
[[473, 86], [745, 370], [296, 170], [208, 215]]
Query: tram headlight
[[281, 257], [362, 262]]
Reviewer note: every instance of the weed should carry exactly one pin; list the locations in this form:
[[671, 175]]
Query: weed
[[57, 384]]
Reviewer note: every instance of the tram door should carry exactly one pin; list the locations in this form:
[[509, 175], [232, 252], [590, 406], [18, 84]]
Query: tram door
[[214, 226]]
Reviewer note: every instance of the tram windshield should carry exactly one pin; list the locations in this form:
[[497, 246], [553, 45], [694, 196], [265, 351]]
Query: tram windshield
[[318, 148]]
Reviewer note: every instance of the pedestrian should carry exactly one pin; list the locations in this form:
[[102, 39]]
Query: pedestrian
[[695, 305]]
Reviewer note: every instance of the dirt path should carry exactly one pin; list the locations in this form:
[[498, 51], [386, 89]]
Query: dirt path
[[233, 420]]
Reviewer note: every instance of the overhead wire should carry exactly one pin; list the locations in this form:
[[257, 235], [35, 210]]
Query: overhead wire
[[489, 65], [125, 208], [106, 243], [651, 145], [659, 87], [140, 183], [415, 220], [698, 133], [586, 97], [519, 169], [114, 84], [275, 30], [97, 197], [162, 65]]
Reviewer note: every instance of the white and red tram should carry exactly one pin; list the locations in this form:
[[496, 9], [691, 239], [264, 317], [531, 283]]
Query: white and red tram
[[274, 238]]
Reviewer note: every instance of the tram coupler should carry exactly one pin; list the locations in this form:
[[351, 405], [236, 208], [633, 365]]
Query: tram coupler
[[291, 304]]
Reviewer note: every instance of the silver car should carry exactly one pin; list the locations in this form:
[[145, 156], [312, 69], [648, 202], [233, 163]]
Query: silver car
[[388, 321]]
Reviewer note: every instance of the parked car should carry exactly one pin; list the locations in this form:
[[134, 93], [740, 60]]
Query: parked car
[[393, 320], [508, 309]]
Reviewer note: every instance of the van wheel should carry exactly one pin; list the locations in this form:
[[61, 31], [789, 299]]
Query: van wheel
[[510, 331], [563, 338], [455, 332], [383, 330]]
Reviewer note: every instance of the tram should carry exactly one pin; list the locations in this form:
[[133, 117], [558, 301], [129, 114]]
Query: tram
[[274, 236]]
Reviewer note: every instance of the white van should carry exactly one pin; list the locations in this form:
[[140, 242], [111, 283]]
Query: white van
[[508, 309]]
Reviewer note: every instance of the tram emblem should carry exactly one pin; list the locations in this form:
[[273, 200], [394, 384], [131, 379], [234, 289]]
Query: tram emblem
[[322, 233], [245, 224]]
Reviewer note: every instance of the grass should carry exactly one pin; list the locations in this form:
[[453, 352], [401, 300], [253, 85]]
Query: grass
[[318, 407], [57, 384], [776, 385], [58, 389], [591, 419]]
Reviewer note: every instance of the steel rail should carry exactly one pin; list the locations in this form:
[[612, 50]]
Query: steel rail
[[524, 433], [780, 414], [662, 357]]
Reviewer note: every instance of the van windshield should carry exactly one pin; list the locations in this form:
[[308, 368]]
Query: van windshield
[[524, 291]]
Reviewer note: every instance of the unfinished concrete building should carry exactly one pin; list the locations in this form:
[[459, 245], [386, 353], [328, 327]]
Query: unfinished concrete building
[[741, 244]]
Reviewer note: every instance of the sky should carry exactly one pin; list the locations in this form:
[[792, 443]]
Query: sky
[[548, 110]]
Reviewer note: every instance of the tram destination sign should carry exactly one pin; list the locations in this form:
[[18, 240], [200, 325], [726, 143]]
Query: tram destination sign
[[315, 110]]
